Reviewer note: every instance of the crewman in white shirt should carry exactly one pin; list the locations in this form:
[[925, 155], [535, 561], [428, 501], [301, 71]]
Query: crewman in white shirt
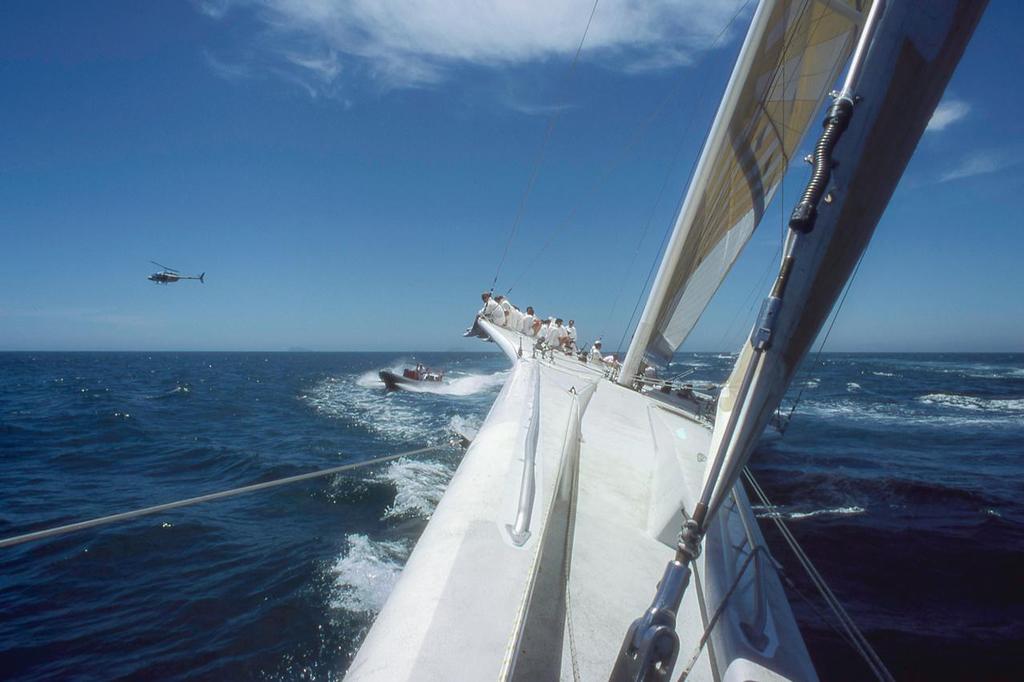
[[556, 335], [527, 323], [513, 318], [595, 355], [542, 332], [491, 311], [571, 332]]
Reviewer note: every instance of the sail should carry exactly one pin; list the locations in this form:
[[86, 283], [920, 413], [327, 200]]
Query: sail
[[792, 55], [903, 77]]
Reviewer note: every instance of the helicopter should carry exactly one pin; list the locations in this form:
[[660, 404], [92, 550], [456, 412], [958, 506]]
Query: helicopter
[[168, 275]]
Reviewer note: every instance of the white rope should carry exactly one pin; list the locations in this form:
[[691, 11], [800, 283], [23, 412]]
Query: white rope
[[855, 636], [125, 516]]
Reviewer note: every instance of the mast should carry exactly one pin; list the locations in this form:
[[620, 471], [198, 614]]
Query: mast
[[702, 175], [900, 69]]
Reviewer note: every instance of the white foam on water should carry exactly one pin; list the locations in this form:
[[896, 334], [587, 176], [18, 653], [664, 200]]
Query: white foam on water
[[373, 408], [883, 374], [903, 414], [419, 486], [365, 575], [973, 403], [812, 383], [762, 512], [465, 427], [852, 386], [361, 399]]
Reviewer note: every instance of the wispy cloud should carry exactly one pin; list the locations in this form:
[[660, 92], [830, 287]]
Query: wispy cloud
[[978, 163], [227, 70], [949, 111], [531, 109], [402, 44]]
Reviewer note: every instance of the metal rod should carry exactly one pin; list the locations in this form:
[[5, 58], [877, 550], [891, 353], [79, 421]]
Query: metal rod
[[861, 51]]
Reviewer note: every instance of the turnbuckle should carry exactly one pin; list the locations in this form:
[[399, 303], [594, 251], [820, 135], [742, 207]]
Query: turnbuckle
[[651, 645]]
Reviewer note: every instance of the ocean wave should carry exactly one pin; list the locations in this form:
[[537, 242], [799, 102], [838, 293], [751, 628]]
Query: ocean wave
[[852, 386], [419, 486], [883, 374], [762, 512], [975, 370], [973, 403], [365, 575], [177, 391], [910, 415]]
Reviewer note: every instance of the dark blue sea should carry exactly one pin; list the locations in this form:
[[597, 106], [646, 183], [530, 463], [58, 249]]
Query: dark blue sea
[[902, 475]]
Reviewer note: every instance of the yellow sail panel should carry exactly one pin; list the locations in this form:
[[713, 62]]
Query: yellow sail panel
[[801, 51]]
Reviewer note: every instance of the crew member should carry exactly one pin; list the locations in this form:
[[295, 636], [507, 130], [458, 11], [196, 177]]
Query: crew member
[[571, 332], [512, 315], [544, 330], [556, 336], [527, 323], [492, 312], [595, 355]]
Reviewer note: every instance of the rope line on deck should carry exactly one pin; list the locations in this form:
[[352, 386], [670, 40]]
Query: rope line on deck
[[126, 516]]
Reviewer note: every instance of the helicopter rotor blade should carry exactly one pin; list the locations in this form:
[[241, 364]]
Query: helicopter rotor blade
[[163, 266]]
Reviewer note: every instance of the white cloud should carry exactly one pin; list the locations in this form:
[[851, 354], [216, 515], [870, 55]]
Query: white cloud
[[226, 70], [398, 43], [976, 164], [947, 113]]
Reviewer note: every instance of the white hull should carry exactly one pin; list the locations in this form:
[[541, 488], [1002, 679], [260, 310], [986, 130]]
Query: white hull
[[592, 491]]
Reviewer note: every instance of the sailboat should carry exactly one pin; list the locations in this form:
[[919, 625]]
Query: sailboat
[[594, 531]]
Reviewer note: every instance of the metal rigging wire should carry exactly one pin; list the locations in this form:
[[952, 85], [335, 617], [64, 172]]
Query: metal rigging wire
[[853, 634], [630, 144], [543, 149]]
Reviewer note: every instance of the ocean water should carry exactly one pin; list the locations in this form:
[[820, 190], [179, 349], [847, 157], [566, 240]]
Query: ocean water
[[902, 475]]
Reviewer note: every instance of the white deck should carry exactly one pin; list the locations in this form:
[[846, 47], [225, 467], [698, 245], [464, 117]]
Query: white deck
[[473, 605]]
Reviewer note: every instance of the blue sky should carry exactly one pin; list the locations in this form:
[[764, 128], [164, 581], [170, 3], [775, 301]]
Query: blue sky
[[347, 174]]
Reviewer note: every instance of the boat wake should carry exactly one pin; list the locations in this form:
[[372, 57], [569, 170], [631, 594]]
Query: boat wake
[[460, 386], [361, 399], [347, 399], [453, 385]]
